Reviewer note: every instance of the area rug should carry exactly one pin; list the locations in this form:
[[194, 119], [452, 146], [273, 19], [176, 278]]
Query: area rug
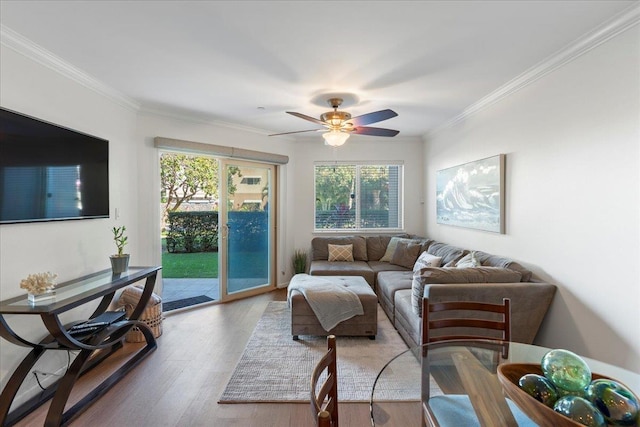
[[275, 368], [185, 302]]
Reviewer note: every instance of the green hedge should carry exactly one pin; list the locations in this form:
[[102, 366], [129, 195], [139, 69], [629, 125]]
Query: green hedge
[[192, 232]]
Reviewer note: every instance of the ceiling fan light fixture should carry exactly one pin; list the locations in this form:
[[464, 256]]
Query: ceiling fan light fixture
[[339, 124], [335, 138], [335, 118]]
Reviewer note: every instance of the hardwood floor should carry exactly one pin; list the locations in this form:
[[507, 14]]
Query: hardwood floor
[[179, 384]]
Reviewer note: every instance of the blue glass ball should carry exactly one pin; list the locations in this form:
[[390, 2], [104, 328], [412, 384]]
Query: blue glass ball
[[566, 370], [616, 402], [540, 388], [580, 410]]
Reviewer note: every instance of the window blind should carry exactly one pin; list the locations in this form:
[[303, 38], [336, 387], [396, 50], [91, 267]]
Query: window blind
[[219, 150]]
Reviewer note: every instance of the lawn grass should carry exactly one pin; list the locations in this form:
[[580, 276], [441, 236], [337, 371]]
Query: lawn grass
[[205, 264], [188, 266]]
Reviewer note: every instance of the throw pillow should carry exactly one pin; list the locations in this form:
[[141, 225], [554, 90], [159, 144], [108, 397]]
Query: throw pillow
[[406, 254], [391, 248], [468, 260], [320, 247], [448, 252], [427, 260], [341, 253]]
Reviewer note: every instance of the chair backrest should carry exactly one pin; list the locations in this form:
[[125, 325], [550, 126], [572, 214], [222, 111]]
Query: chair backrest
[[474, 322], [324, 399]]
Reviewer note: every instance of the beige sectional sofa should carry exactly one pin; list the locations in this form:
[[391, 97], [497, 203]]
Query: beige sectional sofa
[[399, 289]]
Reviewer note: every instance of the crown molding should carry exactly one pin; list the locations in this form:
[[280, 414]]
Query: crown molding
[[617, 25], [26, 47]]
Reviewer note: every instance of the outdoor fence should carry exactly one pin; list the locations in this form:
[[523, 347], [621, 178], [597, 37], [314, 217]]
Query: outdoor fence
[[198, 231], [346, 218]]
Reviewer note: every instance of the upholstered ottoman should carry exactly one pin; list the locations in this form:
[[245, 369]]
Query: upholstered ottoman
[[305, 322]]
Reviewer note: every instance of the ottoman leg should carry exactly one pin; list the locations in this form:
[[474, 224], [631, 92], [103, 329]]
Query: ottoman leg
[[295, 338]]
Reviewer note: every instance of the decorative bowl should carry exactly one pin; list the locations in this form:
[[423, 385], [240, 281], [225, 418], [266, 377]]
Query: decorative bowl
[[510, 373]]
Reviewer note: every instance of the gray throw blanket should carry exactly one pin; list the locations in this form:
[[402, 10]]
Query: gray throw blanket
[[331, 302]]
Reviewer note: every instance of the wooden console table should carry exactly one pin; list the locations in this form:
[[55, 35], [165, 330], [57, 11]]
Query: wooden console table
[[93, 348]]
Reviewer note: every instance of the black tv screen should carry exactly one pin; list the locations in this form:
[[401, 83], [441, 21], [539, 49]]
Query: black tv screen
[[49, 173]]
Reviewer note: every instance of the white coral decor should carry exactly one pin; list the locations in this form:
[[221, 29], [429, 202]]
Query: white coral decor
[[39, 283]]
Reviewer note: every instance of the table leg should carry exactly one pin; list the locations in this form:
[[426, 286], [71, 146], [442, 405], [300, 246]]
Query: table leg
[[56, 410], [57, 416], [485, 392], [14, 383]]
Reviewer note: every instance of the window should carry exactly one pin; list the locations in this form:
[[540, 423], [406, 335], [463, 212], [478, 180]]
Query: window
[[250, 180], [358, 196]]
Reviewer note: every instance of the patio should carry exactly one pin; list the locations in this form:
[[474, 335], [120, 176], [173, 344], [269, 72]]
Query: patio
[[181, 293]]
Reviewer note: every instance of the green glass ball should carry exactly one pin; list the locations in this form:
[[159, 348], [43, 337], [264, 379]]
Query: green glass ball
[[566, 370], [580, 410], [616, 402], [540, 388]]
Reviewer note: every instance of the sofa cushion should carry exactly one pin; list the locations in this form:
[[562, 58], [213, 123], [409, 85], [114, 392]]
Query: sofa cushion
[[379, 266], [341, 268], [425, 244], [320, 247], [340, 253], [377, 245], [430, 275], [448, 253], [391, 247], [406, 254], [427, 260], [409, 325], [388, 283], [498, 261]]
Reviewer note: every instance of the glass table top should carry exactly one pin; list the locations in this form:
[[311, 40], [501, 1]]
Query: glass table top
[[74, 292]]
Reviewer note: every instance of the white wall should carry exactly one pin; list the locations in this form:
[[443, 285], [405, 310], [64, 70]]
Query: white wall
[[572, 141], [67, 248], [75, 248], [308, 150]]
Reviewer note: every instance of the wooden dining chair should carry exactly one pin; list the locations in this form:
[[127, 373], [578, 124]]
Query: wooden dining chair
[[476, 326], [324, 400], [456, 409]]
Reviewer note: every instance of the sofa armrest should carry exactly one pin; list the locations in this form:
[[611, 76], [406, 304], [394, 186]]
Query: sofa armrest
[[530, 301]]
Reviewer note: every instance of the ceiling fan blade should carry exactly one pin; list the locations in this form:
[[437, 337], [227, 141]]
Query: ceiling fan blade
[[296, 131], [304, 116], [366, 130], [376, 116]]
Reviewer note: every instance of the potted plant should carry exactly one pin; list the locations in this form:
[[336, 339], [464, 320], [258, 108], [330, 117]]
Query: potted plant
[[119, 261], [299, 260]]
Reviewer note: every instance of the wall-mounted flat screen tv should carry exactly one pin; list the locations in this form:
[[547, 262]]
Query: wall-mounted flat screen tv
[[50, 173]]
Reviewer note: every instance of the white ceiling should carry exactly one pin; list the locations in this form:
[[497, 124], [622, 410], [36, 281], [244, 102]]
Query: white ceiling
[[247, 62]]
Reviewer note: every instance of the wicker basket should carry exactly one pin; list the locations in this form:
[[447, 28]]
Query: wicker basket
[[152, 316]]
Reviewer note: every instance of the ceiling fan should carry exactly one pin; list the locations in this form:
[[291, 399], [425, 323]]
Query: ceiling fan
[[340, 124]]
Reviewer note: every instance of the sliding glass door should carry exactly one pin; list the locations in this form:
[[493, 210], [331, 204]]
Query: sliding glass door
[[247, 229], [217, 230]]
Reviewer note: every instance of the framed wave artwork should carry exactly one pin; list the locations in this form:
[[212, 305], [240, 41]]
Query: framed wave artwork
[[471, 195]]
